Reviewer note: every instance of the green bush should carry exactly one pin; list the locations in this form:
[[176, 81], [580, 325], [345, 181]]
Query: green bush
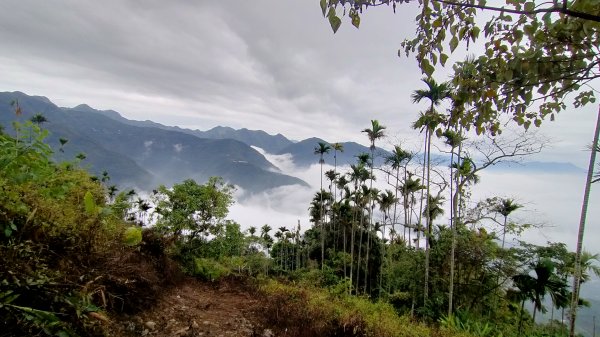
[[209, 270], [309, 311], [132, 236]]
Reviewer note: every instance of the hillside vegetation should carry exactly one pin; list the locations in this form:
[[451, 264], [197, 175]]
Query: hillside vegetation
[[79, 260]]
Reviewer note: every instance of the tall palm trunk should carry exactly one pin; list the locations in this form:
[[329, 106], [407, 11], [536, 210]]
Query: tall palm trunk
[[333, 211], [394, 221], [352, 235], [420, 217], [370, 224], [360, 239], [453, 245], [584, 206], [453, 222], [429, 221], [322, 223]]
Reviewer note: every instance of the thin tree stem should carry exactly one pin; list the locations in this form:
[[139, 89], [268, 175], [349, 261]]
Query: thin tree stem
[[584, 206]]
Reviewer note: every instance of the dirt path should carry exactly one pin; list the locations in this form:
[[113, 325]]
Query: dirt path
[[195, 309]]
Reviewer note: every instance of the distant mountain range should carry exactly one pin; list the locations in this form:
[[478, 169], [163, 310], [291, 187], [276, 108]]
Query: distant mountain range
[[302, 152], [144, 154]]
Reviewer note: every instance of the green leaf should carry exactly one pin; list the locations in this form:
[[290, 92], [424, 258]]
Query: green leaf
[[324, 6], [529, 6], [453, 43], [356, 20], [443, 58], [90, 204], [427, 68], [335, 22], [475, 33]]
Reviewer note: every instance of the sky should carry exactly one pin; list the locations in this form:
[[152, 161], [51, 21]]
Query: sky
[[273, 65]]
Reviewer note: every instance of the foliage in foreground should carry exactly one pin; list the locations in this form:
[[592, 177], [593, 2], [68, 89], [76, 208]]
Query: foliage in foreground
[[311, 311], [68, 258]]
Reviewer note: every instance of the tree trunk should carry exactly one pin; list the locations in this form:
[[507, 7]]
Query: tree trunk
[[360, 238], [521, 317], [453, 247], [584, 206], [429, 222], [322, 222], [370, 217]]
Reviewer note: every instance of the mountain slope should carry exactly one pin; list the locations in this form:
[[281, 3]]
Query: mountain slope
[[259, 138], [166, 156], [303, 153]]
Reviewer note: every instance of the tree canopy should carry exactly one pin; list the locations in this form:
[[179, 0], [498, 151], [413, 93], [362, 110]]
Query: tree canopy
[[533, 54], [193, 207]]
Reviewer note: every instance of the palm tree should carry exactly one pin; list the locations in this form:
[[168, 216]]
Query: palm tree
[[143, 208], [336, 147], [386, 200], [363, 159], [505, 207], [38, 119], [584, 206], [428, 121], [409, 187], [358, 174], [374, 133], [587, 264], [282, 236], [321, 149], [454, 140], [332, 177], [396, 159], [545, 282], [266, 238]]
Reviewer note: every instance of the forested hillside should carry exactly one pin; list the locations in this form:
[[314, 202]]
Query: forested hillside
[[81, 258]]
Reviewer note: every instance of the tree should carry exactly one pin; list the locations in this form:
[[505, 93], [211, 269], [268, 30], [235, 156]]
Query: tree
[[358, 175], [386, 200], [336, 147], [266, 238], [409, 187], [545, 282], [374, 133], [38, 119], [429, 121], [322, 149], [454, 140], [533, 53], [396, 160], [191, 207], [505, 207], [580, 232]]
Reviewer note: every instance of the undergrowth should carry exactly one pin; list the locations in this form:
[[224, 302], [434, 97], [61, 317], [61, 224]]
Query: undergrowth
[[303, 311]]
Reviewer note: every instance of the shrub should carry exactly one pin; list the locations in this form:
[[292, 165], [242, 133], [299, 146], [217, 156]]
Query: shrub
[[132, 236], [306, 311], [209, 270]]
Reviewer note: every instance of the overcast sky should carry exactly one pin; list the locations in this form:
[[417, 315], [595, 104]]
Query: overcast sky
[[273, 65], [263, 64]]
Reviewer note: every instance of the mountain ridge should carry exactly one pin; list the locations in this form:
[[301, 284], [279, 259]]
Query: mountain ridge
[[136, 155]]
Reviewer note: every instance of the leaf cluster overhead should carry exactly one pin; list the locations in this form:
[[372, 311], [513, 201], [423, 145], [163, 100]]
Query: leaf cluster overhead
[[534, 54]]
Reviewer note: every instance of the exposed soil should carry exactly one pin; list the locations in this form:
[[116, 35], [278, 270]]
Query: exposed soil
[[194, 308]]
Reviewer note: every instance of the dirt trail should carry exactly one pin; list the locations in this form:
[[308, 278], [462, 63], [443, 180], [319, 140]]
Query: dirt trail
[[194, 308]]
